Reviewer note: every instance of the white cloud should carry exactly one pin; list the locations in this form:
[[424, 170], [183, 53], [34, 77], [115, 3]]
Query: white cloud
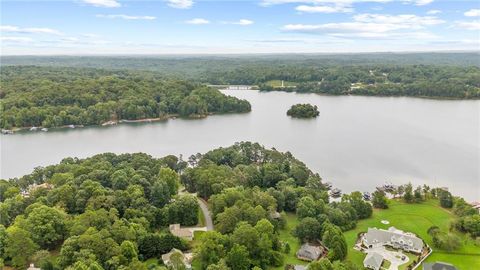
[[240, 22], [29, 30], [343, 2], [16, 39], [125, 17], [410, 20], [324, 9], [182, 4], [372, 26], [434, 11], [418, 2], [472, 13], [197, 21], [469, 25], [103, 3]]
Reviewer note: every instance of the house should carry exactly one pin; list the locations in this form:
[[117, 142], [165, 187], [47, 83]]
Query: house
[[275, 215], [394, 238], [373, 261], [34, 187], [32, 267], [476, 205], [438, 266], [310, 252], [185, 258], [299, 267], [176, 230]]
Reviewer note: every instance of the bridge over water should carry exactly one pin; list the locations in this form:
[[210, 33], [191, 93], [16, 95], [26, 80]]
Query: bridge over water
[[234, 87]]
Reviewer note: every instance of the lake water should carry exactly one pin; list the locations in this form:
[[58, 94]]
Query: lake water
[[357, 143]]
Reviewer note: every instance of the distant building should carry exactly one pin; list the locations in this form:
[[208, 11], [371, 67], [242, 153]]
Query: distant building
[[310, 252], [373, 261], [176, 230], [33, 187], [32, 267], [438, 266], [185, 258], [476, 205], [275, 215], [394, 238]]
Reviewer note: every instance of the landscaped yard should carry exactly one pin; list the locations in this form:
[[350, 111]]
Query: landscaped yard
[[286, 236], [416, 218]]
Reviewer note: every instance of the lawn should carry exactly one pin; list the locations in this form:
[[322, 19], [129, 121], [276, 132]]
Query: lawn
[[416, 218], [278, 83], [286, 236]]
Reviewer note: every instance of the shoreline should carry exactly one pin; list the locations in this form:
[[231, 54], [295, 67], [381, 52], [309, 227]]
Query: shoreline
[[110, 123]]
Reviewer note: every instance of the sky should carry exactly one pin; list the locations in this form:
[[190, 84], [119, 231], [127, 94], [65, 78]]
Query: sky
[[104, 27]]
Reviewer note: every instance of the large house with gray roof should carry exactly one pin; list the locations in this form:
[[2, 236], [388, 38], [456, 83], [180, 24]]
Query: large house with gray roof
[[394, 238]]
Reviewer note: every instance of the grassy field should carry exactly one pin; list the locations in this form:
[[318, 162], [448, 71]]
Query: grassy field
[[286, 236], [278, 83], [417, 218]]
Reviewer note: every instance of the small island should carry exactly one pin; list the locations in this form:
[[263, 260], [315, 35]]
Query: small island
[[303, 111]]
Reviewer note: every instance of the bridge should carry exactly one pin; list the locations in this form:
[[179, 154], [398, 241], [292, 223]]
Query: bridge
[[233, 87]]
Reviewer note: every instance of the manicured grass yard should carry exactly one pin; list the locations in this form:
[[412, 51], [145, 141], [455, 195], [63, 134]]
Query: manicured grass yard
[[416, 218], [286, 236], [278, 83]]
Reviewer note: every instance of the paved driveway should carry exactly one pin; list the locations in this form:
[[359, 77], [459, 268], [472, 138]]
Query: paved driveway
[[394, 257]]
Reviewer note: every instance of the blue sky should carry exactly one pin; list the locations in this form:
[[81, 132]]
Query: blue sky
[[246, 26]]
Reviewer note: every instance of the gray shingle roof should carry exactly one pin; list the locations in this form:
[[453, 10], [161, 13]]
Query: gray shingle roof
[[438, 266], [373, 259], [376, 236], [310, 252]]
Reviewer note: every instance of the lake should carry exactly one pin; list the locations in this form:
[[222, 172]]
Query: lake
[[357, 143]]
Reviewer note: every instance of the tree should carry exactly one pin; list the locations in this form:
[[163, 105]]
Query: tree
[[287, 248], [362, 208], [128, 250], [379, 200], [238, 258], [334, 239], [47, 226], [408, 195], [322, 264], [446, 199], [212, 248], [19, 246], [308, 229], [153, 244]]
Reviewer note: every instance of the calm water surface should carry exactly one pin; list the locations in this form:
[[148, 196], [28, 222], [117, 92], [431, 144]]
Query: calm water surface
[[357, 142]]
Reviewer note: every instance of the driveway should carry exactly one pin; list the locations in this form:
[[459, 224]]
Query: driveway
[[206, 213], [394, 257]]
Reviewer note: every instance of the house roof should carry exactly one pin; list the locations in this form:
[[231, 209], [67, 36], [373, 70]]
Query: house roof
[[374, 260], [374, 236], [166, 257], [310, 252], [438, 266], [177, 231], [299, 267]]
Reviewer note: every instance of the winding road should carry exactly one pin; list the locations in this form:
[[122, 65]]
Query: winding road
[[206, 213]]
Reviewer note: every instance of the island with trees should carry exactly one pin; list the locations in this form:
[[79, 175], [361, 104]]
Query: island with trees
[[115, 212], [57, 97], [303, 111]]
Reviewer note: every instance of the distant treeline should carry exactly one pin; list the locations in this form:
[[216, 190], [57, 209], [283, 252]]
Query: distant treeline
[[440, 75], [53, 97]]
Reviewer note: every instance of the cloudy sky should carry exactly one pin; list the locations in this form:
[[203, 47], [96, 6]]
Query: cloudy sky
[[241, 26]]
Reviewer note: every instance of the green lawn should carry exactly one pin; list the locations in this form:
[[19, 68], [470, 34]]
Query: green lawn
[[286, 236], [416, 218], [278, 83]]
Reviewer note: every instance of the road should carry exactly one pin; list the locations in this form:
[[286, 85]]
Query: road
[[206, 213]]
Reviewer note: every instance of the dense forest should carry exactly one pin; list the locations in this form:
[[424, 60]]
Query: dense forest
[[54, 97], [113, 211], [303, 111], [440, 75]]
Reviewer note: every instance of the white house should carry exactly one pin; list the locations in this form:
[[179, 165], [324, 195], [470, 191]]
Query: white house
[[394, 238]]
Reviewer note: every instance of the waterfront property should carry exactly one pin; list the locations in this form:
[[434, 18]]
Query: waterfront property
[[394, 238]]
